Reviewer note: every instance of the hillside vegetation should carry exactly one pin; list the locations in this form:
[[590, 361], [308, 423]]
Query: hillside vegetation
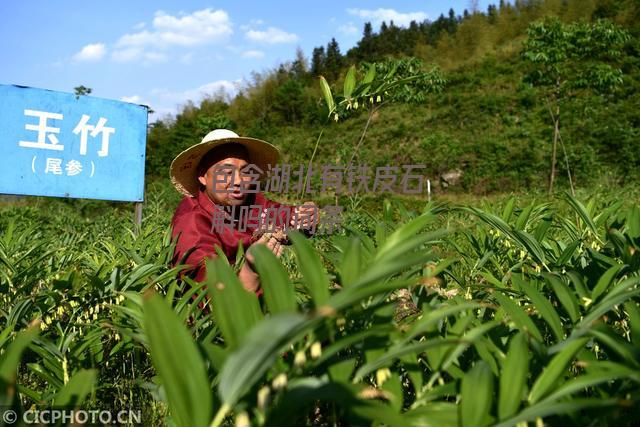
[[487, 121], [463, 311]]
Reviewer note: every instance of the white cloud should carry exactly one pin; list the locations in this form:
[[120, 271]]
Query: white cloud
[[348, 29], [271, 36], [91, 52], [253, 54], [134, 99], [201, 27], [387, 15]]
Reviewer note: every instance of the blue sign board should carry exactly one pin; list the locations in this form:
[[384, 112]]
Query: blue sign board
[[57, 144]]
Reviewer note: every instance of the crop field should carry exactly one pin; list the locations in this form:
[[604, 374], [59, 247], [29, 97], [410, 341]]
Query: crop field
[[510, 311], [504, 291]]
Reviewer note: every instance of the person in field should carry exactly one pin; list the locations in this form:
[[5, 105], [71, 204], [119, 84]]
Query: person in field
[[218, 178]]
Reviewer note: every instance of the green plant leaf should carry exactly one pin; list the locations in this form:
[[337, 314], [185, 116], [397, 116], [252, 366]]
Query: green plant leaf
[[349, 82], [477, 396], [567, 298], [518, 316], [400, 351], [466, 340], [10, 360], [350, 263], [544, 308], [178, 363], [371, 74], [328, 97], [629, 353], [76, 390], [304, 392], [432, 317], [545, 408], [633, 222], [633, 313], [604, 306], [581, 211], [437, 414], [278, 289], [311, 267], [605, 281], [227, 295], [264, 343], [513, 376], [408, 236], [555, 369]]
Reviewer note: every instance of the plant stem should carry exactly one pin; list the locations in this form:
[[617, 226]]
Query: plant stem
[[556, 121], [364, 132], [222, 412], [566, 160], [556, 125], [304, 185]]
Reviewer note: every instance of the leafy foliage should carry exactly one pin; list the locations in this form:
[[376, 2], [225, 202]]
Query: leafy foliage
[[533, 308]]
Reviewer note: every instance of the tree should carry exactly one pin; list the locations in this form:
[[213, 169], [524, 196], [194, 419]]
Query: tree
[[81, 90], [492, 13], [333, 62], [318, 59], [366, 46], [299, 67], [289, 101], [566, 58], [452, 22], [368, 31]]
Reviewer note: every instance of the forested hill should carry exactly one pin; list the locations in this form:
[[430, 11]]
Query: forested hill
[[487, 122]]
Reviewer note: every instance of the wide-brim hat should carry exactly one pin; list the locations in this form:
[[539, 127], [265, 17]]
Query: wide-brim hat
[[184, 168]]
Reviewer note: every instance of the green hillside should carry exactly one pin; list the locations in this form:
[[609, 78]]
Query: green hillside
[[487, 122]]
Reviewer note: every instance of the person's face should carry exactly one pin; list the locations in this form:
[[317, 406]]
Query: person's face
[[224, 184]]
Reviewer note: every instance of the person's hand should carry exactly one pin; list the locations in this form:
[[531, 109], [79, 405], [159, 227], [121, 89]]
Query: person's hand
[[270, 241], [307, 216]]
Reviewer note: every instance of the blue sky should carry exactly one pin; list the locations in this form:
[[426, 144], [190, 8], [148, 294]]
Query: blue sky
[[162, 53]]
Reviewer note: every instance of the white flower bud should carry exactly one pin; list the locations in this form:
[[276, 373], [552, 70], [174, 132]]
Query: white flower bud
[[299, 359], [316, 350], [382, 375], [279, 382], [242, 420]]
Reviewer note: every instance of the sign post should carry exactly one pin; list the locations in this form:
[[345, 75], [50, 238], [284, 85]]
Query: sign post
[[61, 145], [138, 215]]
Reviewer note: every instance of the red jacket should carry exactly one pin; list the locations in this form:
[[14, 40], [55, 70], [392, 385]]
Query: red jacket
[[192, 225]]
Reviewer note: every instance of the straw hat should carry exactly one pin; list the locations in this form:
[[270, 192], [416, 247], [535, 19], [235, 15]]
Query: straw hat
[[184, 168]]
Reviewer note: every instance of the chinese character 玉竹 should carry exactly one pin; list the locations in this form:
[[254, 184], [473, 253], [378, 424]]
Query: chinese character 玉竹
[[45, 132], [83, 128]]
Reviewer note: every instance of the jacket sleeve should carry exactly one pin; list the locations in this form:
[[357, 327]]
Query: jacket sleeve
[[195, 242]]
